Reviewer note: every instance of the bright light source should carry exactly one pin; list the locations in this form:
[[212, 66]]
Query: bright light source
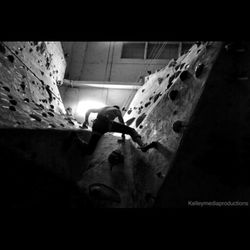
[[84, 106]]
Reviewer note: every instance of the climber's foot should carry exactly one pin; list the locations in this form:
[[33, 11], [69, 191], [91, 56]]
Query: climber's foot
[[122, 140], [147, 147]]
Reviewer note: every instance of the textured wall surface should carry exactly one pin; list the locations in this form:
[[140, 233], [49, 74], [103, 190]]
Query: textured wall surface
[[38, 172], [29, 79], [212, 163], [168, 96], [49, 167]]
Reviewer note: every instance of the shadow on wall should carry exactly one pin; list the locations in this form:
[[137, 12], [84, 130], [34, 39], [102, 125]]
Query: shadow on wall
[[29, 185]]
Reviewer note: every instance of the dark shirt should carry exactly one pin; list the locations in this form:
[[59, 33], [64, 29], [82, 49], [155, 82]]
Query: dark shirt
[[108, 112]]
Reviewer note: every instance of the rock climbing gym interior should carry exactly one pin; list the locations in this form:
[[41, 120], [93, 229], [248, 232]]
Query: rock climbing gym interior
[[187, 101]]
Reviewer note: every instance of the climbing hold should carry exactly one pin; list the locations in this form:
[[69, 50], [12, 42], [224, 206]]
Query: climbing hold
[[26, 100], [11, 58], [13, 102], [178, 126], [130, 121], [170, 81], [51, 125], [22, 86], [177, 67], [147, 104], [100, 191], [40, 106], [6, 88], [184, 75], [49, 93], [35, 117], [2, 49], [176, 74], [44, 114], [51, 114], [157, 96], [160, 79], [70, 122], [42, 47], [173, 94], [129, 112], [199, 69], [140, 119], [12, 108], [182, 65], [59, 83], [116, 157]]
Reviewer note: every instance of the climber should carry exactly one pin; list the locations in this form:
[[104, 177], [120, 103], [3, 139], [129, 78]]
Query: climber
[[105, 123]]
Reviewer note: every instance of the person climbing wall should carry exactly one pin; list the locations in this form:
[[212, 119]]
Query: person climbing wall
[[105, 123]]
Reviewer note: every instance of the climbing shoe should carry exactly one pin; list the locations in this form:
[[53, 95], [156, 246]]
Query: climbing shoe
[[147, 147]]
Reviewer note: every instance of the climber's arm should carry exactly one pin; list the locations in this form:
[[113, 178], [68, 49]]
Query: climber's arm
[[120, 118], [86, 121]]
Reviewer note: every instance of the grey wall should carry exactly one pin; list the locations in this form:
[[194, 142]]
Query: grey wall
[[74, 53]]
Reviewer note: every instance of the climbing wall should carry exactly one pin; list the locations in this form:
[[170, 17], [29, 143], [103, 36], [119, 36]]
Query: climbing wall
[[160, 111], [30, 75], [212, 162]]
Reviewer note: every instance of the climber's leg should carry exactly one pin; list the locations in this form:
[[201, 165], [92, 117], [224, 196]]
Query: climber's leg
[[95, 137], [99, 128], [120, 128], [153, 144]]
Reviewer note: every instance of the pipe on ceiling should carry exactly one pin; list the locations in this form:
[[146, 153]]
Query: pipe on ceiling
[[96, 84]]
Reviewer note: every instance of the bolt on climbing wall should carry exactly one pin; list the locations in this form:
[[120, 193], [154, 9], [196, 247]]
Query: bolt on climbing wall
[[30, 75]]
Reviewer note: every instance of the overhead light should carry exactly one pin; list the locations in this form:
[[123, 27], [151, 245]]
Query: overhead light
[[84, 106]]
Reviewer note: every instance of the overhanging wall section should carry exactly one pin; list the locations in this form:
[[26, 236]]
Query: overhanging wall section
[[30, 75]]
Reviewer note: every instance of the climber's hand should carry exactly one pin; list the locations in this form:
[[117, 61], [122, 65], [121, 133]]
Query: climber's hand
[[85, 125], [122, 139]]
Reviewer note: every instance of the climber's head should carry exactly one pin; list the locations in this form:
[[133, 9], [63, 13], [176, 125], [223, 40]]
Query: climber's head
[[115, 106]]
